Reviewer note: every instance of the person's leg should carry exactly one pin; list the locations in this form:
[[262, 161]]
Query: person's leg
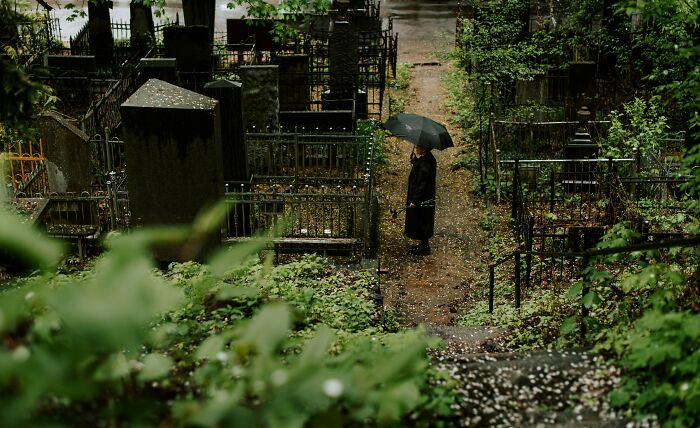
[[424, 246]]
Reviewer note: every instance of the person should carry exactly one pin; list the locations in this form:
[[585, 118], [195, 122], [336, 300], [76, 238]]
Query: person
[[420, 200]]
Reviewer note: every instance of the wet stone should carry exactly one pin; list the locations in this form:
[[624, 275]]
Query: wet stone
[[66, 155], [173, 151], [260, 95], [233, 148]]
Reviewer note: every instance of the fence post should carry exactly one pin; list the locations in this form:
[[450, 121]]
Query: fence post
[[517, 279], [528, 247], [551, 191], [584, 290], [609, 208], [516, 186], [492, 279]]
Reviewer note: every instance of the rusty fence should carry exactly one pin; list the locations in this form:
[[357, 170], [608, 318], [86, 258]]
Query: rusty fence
[[24, 170]]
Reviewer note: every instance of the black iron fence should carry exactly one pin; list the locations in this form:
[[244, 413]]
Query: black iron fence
[[575, 261], [534, 140], [313, 192], [303, 215], [551, 196], [309, 155]]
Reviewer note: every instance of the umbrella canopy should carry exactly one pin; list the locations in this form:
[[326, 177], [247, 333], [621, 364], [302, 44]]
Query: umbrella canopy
[[419, 130]]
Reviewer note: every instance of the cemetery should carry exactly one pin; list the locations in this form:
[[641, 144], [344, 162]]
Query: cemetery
[[346, 213], [268, 124]]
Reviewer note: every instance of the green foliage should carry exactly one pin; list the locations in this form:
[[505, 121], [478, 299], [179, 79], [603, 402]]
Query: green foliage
[[493, 49], [534, 326], [399, 89], [639, 314], [231, 342], [663, 359], [640, 127], [378, 135]]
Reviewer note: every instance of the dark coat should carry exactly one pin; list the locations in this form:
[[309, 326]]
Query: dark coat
[[420, 221]]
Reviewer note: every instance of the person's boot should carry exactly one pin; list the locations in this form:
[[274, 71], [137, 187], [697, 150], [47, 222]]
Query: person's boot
[[420, 250]]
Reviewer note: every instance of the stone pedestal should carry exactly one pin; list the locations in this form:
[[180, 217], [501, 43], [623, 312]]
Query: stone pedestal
[[173, 152], [260, 94], [158, 68], [192, 49], [66, 155], [200, 13], [100, 38]]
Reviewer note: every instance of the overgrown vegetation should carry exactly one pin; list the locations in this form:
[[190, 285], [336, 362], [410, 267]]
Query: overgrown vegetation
[[641, 306], [232, 341]]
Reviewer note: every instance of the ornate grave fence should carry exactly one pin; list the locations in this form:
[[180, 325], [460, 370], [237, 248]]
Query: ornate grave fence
[[313, 191], [560, 206], [534, 140]]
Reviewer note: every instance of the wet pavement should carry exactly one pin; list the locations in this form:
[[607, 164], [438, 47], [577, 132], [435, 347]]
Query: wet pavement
[[414, 20]]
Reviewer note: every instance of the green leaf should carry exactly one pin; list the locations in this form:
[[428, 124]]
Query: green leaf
[[591, 299], [575, 290], [317, 348], [25, 243], [268, 329], [569, 325], [155, 366], [211, 346]]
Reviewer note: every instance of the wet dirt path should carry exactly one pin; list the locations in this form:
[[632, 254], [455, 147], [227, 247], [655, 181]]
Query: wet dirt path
[[429, 290]]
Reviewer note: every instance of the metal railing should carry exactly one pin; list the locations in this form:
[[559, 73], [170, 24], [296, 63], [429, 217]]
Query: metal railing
[[308, 155], [578, 261]]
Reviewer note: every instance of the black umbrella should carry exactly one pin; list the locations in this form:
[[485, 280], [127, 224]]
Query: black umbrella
[[419, 130]]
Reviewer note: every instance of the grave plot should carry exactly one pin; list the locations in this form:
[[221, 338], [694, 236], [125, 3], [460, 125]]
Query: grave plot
[[314, 192], [564, 206]]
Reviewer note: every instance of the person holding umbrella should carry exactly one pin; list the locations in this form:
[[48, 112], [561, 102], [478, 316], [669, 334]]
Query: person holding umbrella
[[425, 134], [420, 200]]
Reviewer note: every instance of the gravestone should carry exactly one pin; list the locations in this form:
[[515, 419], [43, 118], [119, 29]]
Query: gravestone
[[143, 31], [579, 176], [66, 155], [295, 92], [100, 27], [200, 13], [192, 49], [233, 148], [173, 147], [242, 34], [158, 68], [260, 96], [343, 60]]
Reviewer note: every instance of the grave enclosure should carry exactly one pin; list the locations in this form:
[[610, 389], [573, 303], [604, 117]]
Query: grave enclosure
[[276, 138]]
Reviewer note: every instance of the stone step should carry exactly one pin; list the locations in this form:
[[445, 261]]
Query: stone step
[[532, 389], [469, 339]]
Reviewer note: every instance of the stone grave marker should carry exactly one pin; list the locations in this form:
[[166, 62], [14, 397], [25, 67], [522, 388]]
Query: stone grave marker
[[142, 27], [260, 96], [173, 152], [233, 148], [100, 37], [294, 89], [66, 155], [158, 68]]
